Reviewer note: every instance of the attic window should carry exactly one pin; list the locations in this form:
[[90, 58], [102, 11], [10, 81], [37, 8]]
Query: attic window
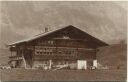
[[50, 42], [13, 46], [66, 37]]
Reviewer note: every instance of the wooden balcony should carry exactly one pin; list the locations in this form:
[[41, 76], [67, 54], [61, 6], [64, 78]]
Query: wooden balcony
[[56, 57], [64, 43], [64, 57]]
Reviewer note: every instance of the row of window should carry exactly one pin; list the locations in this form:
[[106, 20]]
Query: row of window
[[51, 53], [60, 48], [66, 43], [42, 52], [46, 42], [52, 49], [57, 62]]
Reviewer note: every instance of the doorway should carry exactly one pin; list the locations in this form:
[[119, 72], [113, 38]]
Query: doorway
[[81, 64]]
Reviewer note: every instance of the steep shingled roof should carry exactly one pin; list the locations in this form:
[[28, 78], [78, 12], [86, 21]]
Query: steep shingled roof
[[36, 36], [49, 32]]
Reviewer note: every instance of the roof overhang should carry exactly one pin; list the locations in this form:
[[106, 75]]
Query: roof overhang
[[50, 32]]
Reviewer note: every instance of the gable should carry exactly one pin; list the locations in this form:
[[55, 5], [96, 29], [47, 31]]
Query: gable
[[69, 32]]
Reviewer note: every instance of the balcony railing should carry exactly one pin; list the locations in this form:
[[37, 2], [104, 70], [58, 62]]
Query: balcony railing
[[42, 57], [15, 58]]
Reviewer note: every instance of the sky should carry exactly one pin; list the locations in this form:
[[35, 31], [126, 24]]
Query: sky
[[106, 21]]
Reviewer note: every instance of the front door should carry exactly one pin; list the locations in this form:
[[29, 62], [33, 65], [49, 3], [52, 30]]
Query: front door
[[81, 64]]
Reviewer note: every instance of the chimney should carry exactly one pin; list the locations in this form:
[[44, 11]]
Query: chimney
[[46, 29]]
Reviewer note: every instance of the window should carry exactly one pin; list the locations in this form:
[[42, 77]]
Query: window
[[37, 53], [51, 53], [41, 53], [50, 42]]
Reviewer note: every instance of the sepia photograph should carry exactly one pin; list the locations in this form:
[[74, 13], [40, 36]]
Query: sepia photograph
[[71, 41]]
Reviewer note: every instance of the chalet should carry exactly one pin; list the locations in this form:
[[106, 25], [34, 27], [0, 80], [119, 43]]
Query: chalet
[[68, 46]]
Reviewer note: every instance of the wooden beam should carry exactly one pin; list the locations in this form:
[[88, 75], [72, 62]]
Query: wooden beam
[[24, 60]]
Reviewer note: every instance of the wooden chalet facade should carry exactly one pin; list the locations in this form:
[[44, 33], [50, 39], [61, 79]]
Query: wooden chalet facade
[[65, 46]]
